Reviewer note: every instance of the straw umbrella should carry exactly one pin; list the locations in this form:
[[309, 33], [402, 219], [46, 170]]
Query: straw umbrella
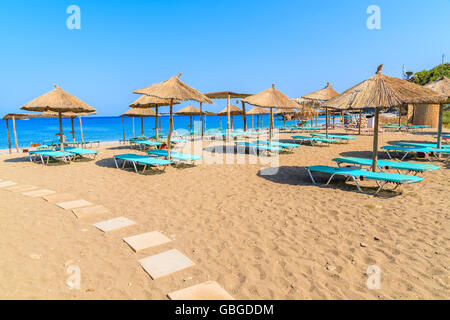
[[257, 111], [174, 90], [441, 85], [137, 112], [152, 102], [381, 91], [231, 111], [230, 95], [305, 113], [191, 112], [18, 116], [273, 99], [320, 96], [58, 101]]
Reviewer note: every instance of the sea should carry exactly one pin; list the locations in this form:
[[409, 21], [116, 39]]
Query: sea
[[105, 129]]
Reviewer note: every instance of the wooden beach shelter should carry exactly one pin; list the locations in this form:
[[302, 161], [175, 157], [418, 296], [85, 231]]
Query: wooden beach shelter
[[137, 112], [19, 116], [72, 116], [273, 99], [145, 101], [257, 111], [174, 90], [231, 95], [317, 98], [61, 102], [191, 111], [381, 91], [231, 111], [442, 86]]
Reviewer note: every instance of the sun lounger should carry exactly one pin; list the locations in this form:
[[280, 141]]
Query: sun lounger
[[82, 152], [311, 128], [313, 140], [333, 136], [146, 161], [284, 145], [385, 165], [145, 143], [381, 178], [427, 151], [189, 158], [172, 140], [50, 154], [259, 147], [419, 145]]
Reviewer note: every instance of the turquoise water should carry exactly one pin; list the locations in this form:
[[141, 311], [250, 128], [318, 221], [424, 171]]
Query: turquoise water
[[108, 128]]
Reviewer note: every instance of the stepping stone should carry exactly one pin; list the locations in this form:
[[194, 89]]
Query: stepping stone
[[146, 240], [165, 263], [22, 188], [210, 290], [38, 193], [5, 184], [114, 224], [89, 211], [69, 205], [59, 197]]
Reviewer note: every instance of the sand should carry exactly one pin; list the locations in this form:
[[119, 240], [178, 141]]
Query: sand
[[258, 237]]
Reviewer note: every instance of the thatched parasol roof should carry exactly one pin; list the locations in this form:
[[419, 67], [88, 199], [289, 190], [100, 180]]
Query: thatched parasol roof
[[145, 101], [441, 85], [225, 94], [52, 114], [305, 113], [234, 110], [381, 91], [304, 102], [284, 111], [322, 95], [190, 111], [139, 112], [257, 111], [175, 89], [25, 116], [58, 100], [271, 98]]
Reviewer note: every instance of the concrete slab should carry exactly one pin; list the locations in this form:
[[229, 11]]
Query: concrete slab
[[210, 290], [114, 224], [38, 193], [165, 263], [59, 197], [69, 205], [89, 211], [21, 188], [146, 240]]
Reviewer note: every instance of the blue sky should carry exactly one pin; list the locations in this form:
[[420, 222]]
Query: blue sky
[[243, 46]]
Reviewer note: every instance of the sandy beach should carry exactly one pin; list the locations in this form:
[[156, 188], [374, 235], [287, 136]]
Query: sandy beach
[[258, 236]]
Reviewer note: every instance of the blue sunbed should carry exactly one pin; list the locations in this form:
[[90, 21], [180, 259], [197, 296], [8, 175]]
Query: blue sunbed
[[313, 140], [426, 151], [144, 143], [382, 178], [175, 155], [420, 145], [333, 136], [57, 155], [82, 152], [284, 145], [172, 140], [259, 147], [384, 164], [142, 160]]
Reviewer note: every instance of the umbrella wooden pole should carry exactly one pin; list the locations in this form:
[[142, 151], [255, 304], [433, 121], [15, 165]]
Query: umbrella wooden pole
[[232, 122], [220, 119], [81, 130], [360, 120], [73, 129], [61, 139], [271, 124], [400, 116], [123, 129], [375, 141], [326, 122], [9, 138], [170, 129], [439, 135], [262, 121], [253, 121], [134, 135], [228, 115], [15, 134], [142, 126], [334, 120], [257, 121], [244, 115], [156, 123], [201, 117]]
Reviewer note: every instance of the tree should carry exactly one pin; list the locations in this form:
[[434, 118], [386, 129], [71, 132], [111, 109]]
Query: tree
[[427, 76]]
